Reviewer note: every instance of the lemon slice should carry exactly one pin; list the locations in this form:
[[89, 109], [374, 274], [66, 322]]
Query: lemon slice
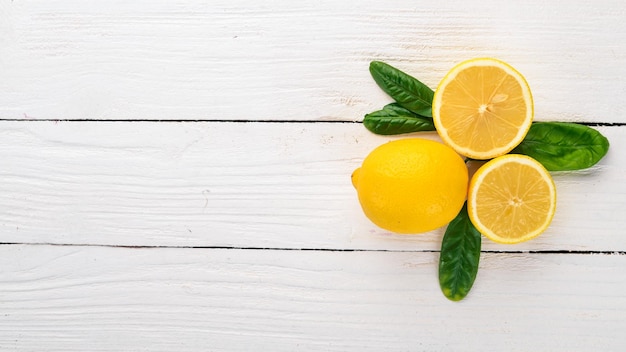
[[511, 199], [483, 108]]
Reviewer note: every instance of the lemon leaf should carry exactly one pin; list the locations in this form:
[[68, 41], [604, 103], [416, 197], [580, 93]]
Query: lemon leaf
[[406, 90], [394, 119], [561, 146], [459, 257]]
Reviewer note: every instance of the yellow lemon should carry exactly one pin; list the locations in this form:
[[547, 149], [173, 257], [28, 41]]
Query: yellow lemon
[[411, 185], [511, 199], [483, 108]]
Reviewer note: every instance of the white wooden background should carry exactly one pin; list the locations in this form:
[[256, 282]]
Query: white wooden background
[[175, 176]]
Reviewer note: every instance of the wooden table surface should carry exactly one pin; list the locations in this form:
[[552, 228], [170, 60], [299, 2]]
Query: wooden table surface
[[175, 176]]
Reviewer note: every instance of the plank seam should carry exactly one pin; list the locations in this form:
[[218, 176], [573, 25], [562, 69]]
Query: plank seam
[[586, 123], [580, 252], [182, 120]]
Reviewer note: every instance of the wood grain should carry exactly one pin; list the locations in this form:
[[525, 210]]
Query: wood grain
[[112, 299], [253, 185], [237, 60], [240, 230]]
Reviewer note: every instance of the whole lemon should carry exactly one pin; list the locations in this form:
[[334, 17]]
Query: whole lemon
[[411, 185]]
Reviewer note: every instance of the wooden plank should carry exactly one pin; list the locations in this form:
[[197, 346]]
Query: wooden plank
[[242, 185], [233, 59], [120, 299]]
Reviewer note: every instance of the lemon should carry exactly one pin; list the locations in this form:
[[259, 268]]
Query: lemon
[[411, 185], [483, 108], [511, 199]]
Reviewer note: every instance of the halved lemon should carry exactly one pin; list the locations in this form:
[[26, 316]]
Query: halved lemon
[[483, 108], [511, 199]]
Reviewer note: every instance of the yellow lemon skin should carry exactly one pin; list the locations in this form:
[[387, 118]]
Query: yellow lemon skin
[[411, 185]]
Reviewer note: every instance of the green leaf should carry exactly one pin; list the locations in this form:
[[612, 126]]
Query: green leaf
[[404, 89], [459, 258], [560, 146], [394, 119]]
